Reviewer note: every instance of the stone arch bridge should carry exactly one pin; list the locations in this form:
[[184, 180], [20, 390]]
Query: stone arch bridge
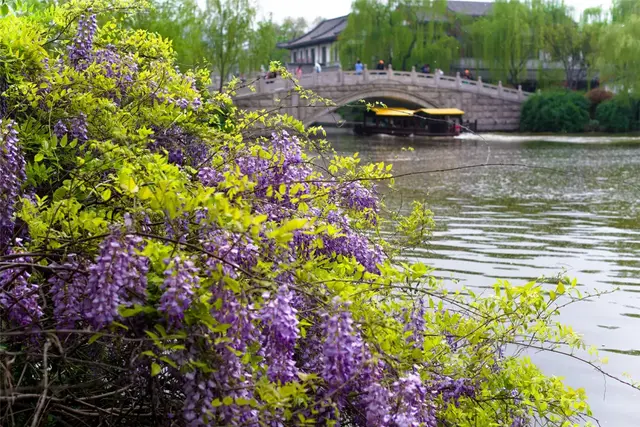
[[495, 108]]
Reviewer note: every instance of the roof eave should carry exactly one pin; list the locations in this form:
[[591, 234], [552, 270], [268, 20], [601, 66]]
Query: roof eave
[[308, 43]]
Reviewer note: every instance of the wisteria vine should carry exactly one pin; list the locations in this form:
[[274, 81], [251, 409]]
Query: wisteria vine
[[178, 271]]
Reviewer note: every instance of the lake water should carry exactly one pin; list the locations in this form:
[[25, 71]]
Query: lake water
[[575, 208]]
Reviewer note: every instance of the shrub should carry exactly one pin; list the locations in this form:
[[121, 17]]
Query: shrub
[[160, 265], [615, 115], [596, 97], [555, 112]]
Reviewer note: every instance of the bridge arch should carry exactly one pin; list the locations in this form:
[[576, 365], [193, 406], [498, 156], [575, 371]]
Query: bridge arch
[[379, 92]]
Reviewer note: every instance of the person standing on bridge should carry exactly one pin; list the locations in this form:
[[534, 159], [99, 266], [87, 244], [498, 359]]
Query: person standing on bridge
[[318, 68], [359, 67], [299, 72], [380, 65]]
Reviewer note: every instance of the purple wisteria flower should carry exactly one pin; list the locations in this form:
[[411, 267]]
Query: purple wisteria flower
[[12, 177], [232, 251], [452, 389], [356, 196], [68, 291], [280, 333], [121, 69], [80, 49], [351, 244], [210, 177], [233, 377], [74, 128], [342, 353], [118, 276], [18, 297], [413, 405], [181, 147], [376, 402], [181, 279], [416, 325]]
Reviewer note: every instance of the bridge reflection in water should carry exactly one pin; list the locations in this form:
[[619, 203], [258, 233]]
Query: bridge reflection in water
[[496, 108]]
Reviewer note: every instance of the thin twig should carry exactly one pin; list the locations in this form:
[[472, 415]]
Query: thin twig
[[45, 384]]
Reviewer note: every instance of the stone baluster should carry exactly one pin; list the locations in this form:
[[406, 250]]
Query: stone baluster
[[414, 75], [500, 91], [520, 94], [340, 75], [365, 73], [480, 85], [436, 78], [316, 78], [261, 87], [390, 72], [458, 80]]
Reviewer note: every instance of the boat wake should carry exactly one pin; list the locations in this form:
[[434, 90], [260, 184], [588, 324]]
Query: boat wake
[[572, 139]]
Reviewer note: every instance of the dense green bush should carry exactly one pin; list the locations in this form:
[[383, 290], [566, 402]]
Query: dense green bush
[[616, 115], [555, 112]]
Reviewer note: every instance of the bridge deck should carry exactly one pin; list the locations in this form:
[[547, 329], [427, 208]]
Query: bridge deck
[[344, 78]]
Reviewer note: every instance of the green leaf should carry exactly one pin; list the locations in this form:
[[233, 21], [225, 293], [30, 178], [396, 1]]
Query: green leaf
[[106, 194], [94, 338], [39, 157], [155, 369]]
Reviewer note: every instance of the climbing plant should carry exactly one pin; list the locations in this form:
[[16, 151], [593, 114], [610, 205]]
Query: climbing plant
[[165, 261]]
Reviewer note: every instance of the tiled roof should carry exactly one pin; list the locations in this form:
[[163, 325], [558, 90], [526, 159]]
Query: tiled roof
[[471, 8], [327, 30]]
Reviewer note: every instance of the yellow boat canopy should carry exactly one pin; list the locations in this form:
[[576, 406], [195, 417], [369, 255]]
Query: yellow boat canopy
[[441, 111], [392, 112]]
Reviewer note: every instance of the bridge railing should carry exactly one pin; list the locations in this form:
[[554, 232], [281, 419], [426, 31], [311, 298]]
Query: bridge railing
[[409, 78]]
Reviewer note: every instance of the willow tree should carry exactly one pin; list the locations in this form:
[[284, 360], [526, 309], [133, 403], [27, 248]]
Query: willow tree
[[509, 37], [619, 54], [593, 23], [179, 21], [623, 9], [228, 27], [562, 40], [261, 48], [401, 32]]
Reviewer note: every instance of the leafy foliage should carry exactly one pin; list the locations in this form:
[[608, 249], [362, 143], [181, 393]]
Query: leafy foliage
[[596, 97], [619, 57], [616, 115], [170, 267], [399, 32], [555, 112], [509, 37]]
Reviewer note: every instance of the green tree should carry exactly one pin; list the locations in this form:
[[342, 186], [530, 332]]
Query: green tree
[[227, 33], [292, 28], [592, 22], [563, 42], [618, 57], [262, 47], [402, 32], [508, 38], [622, 9], [265, 38], [179, 21]]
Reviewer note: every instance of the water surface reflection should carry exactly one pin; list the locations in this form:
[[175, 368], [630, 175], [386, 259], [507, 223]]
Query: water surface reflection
[[575, 208]]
